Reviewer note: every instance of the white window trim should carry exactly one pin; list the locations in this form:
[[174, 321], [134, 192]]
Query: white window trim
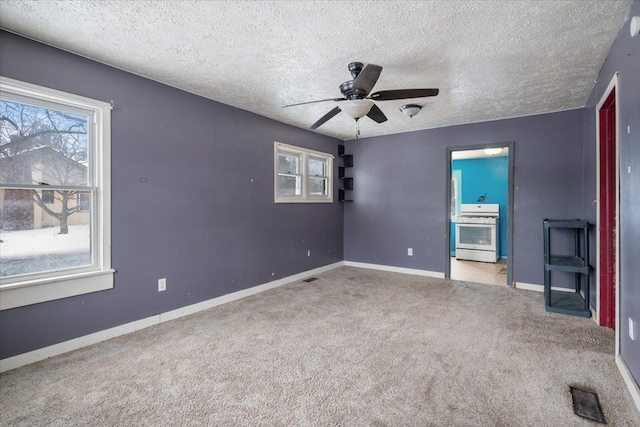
[[41, 287], [304, 153]]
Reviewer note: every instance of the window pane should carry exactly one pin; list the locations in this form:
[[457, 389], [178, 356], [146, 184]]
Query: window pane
[[317, 186], [39, 237], [288, 163], [289, 185], [317, 167], [40, 145]]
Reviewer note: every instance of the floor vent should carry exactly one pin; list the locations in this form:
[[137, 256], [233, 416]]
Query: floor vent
[[587, 405], [310, 279]]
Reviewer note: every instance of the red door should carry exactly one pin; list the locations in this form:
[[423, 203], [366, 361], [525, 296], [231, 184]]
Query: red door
[[607, 206]]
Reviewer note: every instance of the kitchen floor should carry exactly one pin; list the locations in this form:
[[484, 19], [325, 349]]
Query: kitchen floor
[[479, 272]]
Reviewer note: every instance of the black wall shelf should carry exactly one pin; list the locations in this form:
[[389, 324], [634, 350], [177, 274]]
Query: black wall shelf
[[341, 196], [575, 302], [347, 182]]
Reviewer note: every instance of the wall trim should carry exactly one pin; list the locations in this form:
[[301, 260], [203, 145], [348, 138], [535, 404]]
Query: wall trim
[[634, 390], [74, 344], [413, 271], [538, 288], [205, 305]]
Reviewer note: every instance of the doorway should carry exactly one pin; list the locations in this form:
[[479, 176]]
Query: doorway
[[479, 229], [607, 211]]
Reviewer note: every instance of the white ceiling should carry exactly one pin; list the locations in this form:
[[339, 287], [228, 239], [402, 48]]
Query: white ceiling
[[490, 59]]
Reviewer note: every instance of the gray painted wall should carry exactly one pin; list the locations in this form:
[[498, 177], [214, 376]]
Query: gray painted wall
[[205, 219], [400, 184], [624, 57]]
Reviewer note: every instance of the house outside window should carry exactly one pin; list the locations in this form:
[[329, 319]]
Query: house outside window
[[302, 175], [54, 194]]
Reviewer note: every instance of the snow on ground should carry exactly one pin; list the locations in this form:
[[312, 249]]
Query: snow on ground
[[21, 243]]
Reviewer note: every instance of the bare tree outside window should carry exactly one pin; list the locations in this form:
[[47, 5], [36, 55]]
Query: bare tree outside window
[[40, 146]]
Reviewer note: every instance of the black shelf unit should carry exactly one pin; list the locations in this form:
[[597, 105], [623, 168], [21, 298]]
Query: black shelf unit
[[347, 182], [574, 303]]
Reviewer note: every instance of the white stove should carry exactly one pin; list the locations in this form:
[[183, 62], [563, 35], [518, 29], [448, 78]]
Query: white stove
[[477, 232]]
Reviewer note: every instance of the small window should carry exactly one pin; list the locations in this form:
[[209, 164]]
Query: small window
[[48, 196], [84, 202], [301, 175], [318, 177], [289, 177]]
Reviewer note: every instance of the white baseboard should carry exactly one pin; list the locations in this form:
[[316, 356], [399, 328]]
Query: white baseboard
[[76, 343], [393, 269], [205, 305], [628, 380], [539, 288]]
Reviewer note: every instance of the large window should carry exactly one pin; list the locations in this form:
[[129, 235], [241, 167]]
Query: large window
[[54, 194], [301, 175]]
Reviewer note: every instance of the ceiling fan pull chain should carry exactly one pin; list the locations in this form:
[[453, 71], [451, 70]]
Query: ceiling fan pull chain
[[357, 129]]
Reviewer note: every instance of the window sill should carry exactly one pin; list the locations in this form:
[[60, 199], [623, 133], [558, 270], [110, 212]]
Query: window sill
[[304, 201], [41, 290]]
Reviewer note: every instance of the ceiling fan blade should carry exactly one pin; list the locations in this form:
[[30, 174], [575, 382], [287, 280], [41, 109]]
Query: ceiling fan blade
[[313, 102], [390, 95], [377, 115], [325, 118], [367, 78]]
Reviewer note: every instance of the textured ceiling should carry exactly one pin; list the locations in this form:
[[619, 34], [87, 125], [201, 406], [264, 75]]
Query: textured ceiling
[[490, 59]]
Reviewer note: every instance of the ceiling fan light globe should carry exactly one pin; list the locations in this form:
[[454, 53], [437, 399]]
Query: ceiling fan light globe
[[357, 108], [410, 109]]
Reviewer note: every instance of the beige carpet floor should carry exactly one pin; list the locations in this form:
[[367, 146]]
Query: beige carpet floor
[[354, 348]]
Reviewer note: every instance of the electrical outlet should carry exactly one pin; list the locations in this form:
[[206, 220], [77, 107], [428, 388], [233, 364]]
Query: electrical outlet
[[410, 251], [309, 253], [632, 329], [162, 284]]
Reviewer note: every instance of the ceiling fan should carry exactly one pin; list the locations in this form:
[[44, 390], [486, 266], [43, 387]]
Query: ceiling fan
[[359, 100]]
